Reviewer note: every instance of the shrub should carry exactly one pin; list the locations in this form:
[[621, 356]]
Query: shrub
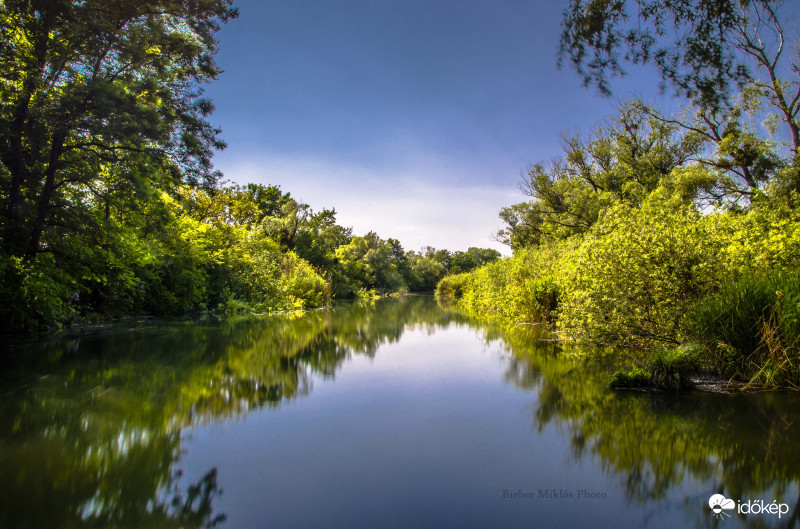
[[631, 378], [301, 285], [667, 369], [636, 274], [453, 287], [34, 293], [751, 328], [520, 289]]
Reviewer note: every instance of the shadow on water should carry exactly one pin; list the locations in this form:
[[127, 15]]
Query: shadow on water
[[91, 424]]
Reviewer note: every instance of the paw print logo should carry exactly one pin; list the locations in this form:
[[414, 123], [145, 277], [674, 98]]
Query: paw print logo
[[719, 504]]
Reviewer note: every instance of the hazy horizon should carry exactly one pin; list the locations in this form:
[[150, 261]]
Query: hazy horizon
[[414, 120]]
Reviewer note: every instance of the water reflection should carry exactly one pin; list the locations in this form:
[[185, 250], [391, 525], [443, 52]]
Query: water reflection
[[744, 446], [91, 425]]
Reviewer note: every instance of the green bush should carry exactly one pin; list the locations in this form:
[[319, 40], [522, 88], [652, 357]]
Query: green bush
[[520, 289], [301, 286], [636, 274], [34, 293], [667, 369], [452, 288]]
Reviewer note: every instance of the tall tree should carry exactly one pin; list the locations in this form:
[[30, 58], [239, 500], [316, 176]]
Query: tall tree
[[623, 161], [703, 48], [100, 99]]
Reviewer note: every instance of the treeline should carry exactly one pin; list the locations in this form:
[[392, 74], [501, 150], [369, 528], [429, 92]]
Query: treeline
[[109, 202], [230, 248], [627, 244], [676, 235]]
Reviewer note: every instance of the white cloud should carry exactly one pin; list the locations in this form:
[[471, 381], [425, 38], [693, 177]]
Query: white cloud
[[419, 206]]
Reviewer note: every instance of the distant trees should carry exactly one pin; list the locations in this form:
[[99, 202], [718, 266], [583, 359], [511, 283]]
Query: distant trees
[[371, 263]]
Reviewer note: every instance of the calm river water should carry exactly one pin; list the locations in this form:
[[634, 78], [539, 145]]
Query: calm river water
[[394, 413]]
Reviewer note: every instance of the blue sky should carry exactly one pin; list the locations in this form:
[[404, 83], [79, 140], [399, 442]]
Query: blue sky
[[414, 119]]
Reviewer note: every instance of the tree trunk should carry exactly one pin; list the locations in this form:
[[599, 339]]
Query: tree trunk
[[43, 206]]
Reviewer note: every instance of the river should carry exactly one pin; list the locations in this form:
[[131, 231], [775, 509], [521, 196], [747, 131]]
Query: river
[[392, 413]]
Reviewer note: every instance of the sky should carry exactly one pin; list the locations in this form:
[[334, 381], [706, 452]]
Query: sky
[[413, 119]]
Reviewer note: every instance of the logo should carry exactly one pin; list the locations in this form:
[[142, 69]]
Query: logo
[[719, 504]]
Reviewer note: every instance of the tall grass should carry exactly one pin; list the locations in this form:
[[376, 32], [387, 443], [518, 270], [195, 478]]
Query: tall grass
[[751, 329], [667, 369]]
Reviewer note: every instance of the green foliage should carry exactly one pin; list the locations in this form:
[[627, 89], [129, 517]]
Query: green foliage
[[100, 100], [718, 46], [631, 378], [668, 229], [189, 251], [671, 368], [766, 237], [107, 186], [622, 162], [632, 279], [649, 219], [666, 369], [703, 61], [453, 288], [319, 238], [520, 289], [751, 328], [663, 274], [32, 293], [371, 263], [424, 272], [301, 286], [471, 259]]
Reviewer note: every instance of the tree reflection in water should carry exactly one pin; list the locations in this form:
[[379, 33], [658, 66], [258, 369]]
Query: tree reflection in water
[[743, 445], [92, 429], [91, 424]]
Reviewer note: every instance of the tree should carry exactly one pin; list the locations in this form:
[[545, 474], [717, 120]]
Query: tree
[[425, 271], [703, 48], [737, 158], [319, 238], [100, 99], [287, 223], [523, 226], [623, 161], [472, 259]]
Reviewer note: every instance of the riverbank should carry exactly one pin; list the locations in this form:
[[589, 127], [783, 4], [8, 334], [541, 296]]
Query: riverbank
[[682, 317]]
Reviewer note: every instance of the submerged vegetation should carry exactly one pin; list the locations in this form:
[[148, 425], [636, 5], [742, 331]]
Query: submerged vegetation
[[662, 232]]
